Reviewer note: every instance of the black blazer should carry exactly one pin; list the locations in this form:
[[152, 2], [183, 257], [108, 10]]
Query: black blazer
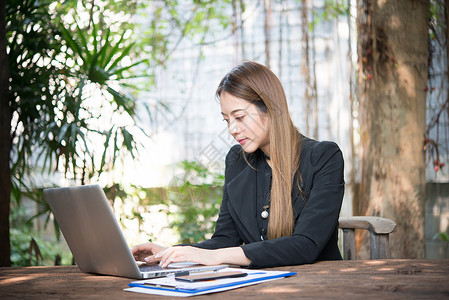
[[316, 210]]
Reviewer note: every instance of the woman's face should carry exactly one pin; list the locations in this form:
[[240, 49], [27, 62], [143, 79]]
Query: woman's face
[[246, 123]]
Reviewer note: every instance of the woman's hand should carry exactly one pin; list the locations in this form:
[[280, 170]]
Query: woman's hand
[[233, 255], [187, 253], [146, 252]]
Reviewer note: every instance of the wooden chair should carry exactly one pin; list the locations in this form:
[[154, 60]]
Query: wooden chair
[[379, 228]]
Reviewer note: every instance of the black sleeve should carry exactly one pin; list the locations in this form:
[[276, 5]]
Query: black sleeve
[[317, 220]]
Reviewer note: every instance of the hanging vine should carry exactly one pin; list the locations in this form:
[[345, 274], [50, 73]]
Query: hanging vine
[[436, 143]]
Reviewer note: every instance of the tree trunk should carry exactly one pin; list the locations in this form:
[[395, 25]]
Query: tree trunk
[[393, 61], [305, 67], [5, 145]]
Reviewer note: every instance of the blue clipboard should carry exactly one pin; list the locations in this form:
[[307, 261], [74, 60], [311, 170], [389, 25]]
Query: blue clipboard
[[184, 288]]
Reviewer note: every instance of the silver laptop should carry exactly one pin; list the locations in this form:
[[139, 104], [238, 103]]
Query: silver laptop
[[93, 235]]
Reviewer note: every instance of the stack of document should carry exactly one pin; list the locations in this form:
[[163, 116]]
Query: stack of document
[[171, 286]]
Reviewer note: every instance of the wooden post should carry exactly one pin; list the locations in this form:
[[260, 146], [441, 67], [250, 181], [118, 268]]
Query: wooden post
[[348, 244], [379, 245]]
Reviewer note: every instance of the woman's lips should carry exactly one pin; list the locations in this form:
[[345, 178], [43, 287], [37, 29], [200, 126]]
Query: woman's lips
[[242, 141]]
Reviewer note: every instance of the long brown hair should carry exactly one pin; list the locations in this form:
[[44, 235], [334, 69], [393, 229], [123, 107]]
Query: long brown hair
[[257, 84]]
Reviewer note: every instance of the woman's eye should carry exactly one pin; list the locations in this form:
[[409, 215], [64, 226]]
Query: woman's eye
[[239, 118], [226, 120]]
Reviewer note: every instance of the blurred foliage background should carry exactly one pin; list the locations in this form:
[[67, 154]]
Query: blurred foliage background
[[77, 68]]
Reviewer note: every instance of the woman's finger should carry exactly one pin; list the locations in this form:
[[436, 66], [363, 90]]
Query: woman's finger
[[164, 257], [168, 256], [150, 259], [142, 251]]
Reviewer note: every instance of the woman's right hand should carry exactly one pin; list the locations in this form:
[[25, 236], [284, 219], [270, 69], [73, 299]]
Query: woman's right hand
[[146, 252]]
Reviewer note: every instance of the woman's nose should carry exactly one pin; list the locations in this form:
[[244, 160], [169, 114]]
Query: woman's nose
[[234, 128]]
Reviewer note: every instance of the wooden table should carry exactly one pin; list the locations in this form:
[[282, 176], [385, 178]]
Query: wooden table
[[356, 279]]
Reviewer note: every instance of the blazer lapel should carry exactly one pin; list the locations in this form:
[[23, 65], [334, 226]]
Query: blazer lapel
[[242, 199]]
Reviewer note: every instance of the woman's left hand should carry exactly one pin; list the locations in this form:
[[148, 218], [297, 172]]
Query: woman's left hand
[[188, 253]]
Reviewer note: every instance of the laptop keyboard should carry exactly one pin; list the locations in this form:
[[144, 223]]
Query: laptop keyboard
[[150, 268]]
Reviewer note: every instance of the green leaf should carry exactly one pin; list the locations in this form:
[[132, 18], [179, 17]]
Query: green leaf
[[105, 148], [113, 51], [122, 101], [80, 34], [71, 43], [120, 70], [94, 35], [103, 51], [63, 131], [128, 141], [124, 53]]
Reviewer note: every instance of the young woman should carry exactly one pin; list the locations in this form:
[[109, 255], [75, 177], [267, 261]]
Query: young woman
[[282, 193]]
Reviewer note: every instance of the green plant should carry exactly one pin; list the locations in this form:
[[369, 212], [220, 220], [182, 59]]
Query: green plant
[[443, 236], [62, 78], [197, 195], [28, 248], [332, 9]]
